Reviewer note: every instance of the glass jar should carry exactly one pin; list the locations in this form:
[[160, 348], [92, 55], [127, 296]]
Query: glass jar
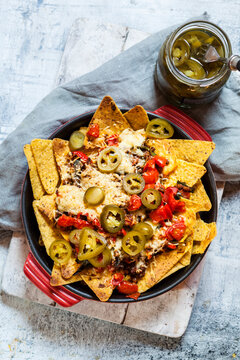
[[180, 89]]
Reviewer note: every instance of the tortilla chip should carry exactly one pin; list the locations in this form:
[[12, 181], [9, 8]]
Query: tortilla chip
[[57, 279], [61, 152], [185, 172], [137, 117], [110, 121], [37, 188], [201, 230], [47, 206], [159, 266], [174, 269], [48, 231], [46, 165], [194, 151], [70, 268], [191, 205], [64, 233], [99, 283], [200, 196], [186, 259], [163, 149], [199, 247]]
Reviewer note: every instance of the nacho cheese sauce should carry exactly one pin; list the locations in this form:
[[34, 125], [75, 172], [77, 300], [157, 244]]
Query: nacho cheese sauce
[[78, 176]]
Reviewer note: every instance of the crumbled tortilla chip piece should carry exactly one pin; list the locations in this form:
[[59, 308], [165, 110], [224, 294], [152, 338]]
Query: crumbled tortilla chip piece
[[99, 283], [37, 188], [201, 230], [61, 152], [193, 151], [110, 121], [137, 117], [185, 172], [57, 279], [200, 196], [48, 231], [199, 247], [47, 205], [69, 269], [159, 266], [164, 149], [46, 164]]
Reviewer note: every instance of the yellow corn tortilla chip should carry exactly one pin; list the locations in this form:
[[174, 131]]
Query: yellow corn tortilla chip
[[174, 269], [46, 164], [69, 269], [47, 230], [191, 205], [199, 247], [137, 117], [61, 152], [185, 172], [37, 188], [47, 205], [194, 151], [201, 230], [110, 121], [164, 149], [57, 279], [200, 196], [186, 259], [99, 283], [159, 266]]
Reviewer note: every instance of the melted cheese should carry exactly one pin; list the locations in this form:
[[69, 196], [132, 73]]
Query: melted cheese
[[130, 138]]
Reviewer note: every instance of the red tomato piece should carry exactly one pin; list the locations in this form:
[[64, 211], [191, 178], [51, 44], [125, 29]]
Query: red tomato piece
[[124, 232], [112, 140], [134, 296], [163, 212], [151, 176], [150, 165], [169, 197], [135, 203], [117, 279], [149, 186], [160, 161], [171, 246], [93, 131], [66, 221], [81, 155], [126, 287], [176, 231]]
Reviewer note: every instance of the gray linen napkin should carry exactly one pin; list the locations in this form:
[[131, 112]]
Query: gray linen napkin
[[129, 79]]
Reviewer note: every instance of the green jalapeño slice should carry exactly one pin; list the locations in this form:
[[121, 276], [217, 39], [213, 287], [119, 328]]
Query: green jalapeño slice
[[133, 242], [133, 183], [151, 199], [74, 237], [91, 244], [60, 251], [112, 218], [109, 159], [160, 129], [94, 196], [76, 140], [103, 259], [145, 229]]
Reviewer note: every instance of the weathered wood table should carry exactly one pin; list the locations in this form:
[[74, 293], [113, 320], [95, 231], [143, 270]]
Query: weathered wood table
[[35, 332]]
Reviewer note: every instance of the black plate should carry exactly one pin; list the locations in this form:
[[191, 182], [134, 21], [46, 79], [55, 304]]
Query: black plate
[[32, 231]]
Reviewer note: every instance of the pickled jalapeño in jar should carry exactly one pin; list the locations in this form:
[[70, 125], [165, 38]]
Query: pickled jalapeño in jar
[[182, 75]]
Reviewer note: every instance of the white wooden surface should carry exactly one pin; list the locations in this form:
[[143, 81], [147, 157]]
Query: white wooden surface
[[167, 314]]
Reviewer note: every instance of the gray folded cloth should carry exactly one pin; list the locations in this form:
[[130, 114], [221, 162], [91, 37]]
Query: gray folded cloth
[[129, 79]]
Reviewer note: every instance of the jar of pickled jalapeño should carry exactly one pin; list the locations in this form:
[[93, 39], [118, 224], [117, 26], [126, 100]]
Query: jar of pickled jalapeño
[[182, 75]]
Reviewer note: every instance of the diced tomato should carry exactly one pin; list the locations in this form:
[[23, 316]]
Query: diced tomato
[[160, 187], [112, 140], [81, 155], [150, 165], [163, 212], [135, 203], [160, 161], [66, 221], [124, 232], [151, 176], [93, 131], [126, 287], [149, 186], [117, 279], [169, 197], [185, 194], [171, 246], [176, 231], [134, 296]]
